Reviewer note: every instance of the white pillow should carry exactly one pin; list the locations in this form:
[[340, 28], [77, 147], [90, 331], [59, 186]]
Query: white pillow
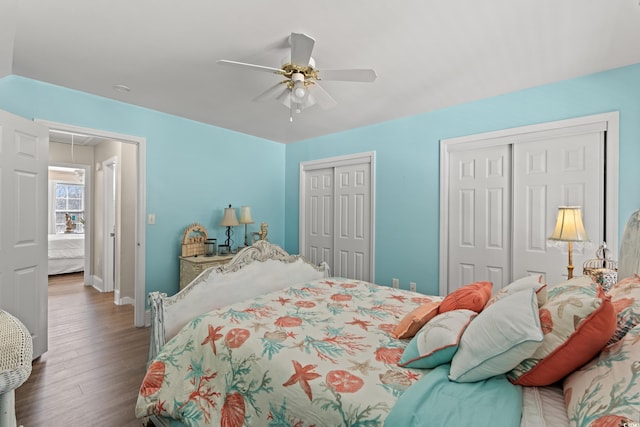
[[499, 338]]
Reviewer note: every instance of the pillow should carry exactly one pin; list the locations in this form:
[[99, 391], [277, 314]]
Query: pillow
[[535, 282], [577, 322], [606, 388], [625, 296], [499, 338], [437, 341], [412, 322], [470, 297]]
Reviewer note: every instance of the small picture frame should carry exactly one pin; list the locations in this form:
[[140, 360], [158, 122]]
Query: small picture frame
[[224, 250]]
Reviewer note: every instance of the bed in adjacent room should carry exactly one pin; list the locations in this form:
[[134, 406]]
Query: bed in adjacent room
[[66, 253], [271, 340]]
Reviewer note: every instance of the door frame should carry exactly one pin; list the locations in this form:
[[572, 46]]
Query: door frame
[[88, 213], [524, 134], [141, 203], [333, 162]]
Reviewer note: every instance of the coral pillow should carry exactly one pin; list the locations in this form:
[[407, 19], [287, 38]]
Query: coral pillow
[[469, 297], [606, 388], [412, 322], [437, 341], [625, 296], [577, 321]]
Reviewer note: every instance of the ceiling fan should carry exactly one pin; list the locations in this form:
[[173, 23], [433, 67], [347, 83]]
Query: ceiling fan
[[300, 88]]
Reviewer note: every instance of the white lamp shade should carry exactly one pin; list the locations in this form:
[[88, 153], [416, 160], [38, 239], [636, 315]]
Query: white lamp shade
[[245, 215], [569, 227], [229, 219]]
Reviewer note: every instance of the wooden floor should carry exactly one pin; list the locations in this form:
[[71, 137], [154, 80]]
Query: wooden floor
[[95, 364]]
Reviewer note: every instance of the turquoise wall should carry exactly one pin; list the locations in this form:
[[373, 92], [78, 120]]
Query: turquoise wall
[[407, 162], [193, 170]]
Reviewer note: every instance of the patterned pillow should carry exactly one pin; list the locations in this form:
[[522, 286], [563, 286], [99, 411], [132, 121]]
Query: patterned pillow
[[470, 297], [535, 282], [625, 296], [498, 339], [437, 341], [605, 390], [577, 321], [416, 319]]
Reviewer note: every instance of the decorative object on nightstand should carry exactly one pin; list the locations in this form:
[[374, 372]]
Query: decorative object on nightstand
[[569, 228], [210, 247], [245, 218], [229, 219], [262, 234], [602, 268], [193, 240]]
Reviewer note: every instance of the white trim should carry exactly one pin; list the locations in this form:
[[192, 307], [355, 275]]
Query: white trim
[[598, 122], [97, 284], [141, 206], [110, 185], [332, 162]]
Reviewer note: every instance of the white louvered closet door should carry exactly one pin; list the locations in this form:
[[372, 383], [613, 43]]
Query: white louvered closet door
[[565, 170]]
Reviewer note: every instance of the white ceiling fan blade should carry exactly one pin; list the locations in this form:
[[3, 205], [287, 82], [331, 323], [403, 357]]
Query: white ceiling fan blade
[[301, 48], [353, 75], [322, 97], [273, 92], [251, 66]]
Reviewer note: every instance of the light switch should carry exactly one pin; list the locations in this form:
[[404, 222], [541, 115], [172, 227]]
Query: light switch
[[152, 219]]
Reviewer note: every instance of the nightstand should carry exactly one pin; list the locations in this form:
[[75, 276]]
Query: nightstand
[[191, 266]]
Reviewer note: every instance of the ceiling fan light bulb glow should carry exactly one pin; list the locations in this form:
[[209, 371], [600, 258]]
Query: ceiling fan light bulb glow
[[299, 92]]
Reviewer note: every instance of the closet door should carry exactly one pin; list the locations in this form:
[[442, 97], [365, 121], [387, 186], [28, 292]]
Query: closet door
[[337, 216], [479, 215], [563, 170], [352, 221], [318, 216]]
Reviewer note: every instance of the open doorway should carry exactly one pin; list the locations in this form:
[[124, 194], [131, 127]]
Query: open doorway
[[96, 147]]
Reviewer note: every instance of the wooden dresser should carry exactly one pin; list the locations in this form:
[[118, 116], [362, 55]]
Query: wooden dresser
[[191, 266]]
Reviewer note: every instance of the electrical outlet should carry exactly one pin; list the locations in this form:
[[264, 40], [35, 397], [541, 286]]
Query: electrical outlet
[[412, 286], [395, 283], [151, 219]]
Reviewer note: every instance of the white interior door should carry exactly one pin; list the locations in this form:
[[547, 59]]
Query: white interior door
[[352, 238], [560, 171], [110, 209], [24, 152], [319, 216], [480, 211]]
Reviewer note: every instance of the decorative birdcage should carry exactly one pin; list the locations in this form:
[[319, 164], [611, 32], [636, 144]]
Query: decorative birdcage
[[602, 268]]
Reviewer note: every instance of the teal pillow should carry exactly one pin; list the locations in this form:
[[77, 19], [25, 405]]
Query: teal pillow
[[437, 341], [436, 401]]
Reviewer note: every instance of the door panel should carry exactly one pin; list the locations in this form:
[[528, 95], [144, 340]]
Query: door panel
[[567, 170], [479, 203], [24, 156], [319, 216], [353, 221]]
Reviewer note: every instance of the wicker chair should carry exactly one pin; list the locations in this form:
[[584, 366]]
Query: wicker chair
[[16, 352]]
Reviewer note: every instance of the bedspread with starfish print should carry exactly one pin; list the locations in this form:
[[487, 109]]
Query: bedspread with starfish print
[[318, 354]]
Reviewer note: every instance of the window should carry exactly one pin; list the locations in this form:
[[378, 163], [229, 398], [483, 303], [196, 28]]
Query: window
[[69, 200]]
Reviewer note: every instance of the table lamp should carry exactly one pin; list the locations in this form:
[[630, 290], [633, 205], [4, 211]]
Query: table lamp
[[229, 219], [245, 218], [569, 228]]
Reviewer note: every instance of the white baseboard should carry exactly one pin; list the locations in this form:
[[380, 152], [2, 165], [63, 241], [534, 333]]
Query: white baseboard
[[122, 301], [97, 283]]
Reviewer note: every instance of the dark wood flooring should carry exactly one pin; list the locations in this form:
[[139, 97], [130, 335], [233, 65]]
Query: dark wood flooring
[[94, 366]]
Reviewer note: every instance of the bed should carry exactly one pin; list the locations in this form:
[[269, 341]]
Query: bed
[[270, 339], [66, 253]]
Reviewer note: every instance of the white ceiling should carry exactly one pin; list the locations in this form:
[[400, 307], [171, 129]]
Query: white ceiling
[[428, 54]]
